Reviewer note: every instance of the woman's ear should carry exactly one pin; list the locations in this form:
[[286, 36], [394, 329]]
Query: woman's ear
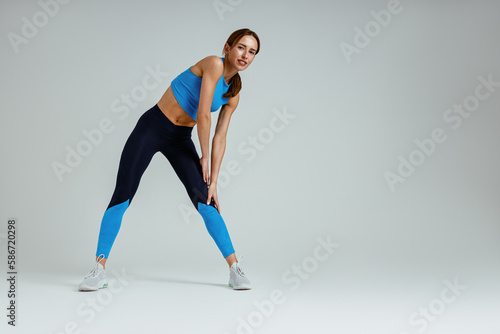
[[226, 48]]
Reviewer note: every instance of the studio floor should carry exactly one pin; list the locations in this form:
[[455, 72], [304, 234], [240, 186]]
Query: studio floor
[[318, 298]]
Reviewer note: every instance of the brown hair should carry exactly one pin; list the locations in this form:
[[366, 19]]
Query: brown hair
[[235, 81]]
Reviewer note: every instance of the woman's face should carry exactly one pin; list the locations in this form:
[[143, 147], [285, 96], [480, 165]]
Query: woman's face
[[242, 53]]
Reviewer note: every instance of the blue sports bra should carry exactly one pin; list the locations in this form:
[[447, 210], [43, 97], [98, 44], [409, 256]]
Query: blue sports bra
[[186, 88]]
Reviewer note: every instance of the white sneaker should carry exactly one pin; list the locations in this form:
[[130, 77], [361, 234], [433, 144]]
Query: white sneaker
[[95, 279], [237, 278]]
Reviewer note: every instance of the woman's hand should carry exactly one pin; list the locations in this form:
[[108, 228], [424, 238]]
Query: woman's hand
[[212, 193], [204, 169]]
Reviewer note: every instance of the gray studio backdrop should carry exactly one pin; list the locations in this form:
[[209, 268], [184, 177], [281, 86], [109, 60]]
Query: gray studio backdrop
[[371, 123]]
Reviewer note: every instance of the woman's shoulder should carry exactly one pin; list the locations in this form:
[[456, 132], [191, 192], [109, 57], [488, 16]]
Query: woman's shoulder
[[209, 63]]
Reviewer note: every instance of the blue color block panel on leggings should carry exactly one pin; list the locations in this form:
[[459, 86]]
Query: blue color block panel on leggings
[[216, 228], [110, 225]]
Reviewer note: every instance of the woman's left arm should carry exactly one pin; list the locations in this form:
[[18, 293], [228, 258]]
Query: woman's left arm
[[219, 145]]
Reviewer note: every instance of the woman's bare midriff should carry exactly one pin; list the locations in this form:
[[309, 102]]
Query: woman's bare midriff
[[173, 111]]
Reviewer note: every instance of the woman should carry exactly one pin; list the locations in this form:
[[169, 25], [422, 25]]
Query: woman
[[166, 127]]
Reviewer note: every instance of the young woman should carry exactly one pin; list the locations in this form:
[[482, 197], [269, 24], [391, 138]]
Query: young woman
[[166, 127]]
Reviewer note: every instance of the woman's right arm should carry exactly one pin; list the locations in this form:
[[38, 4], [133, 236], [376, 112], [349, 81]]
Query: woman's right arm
[[212, 68]]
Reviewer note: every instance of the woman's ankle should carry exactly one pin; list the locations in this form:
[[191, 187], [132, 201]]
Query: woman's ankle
[[101, 260], [231, 259]]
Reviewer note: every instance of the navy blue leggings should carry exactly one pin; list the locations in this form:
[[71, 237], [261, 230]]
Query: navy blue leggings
[[155, 133]]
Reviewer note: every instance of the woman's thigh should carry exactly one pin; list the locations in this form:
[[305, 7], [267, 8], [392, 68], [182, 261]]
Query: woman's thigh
[[186, 164]]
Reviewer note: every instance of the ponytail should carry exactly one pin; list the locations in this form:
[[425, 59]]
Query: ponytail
[[235, 87]]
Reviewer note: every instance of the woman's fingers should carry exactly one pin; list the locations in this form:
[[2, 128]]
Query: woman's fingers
[[216, 200], [212, 193]]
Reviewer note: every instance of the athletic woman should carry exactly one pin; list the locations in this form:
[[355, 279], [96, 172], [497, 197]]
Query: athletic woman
[[210, 84]]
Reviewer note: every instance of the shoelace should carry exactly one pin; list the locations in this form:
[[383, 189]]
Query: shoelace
[[95, 271], [239, 271]]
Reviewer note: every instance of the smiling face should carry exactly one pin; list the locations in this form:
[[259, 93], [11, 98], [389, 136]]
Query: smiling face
[[241, 54]]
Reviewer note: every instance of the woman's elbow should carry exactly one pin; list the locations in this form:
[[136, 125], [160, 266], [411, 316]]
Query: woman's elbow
[[203, 118]]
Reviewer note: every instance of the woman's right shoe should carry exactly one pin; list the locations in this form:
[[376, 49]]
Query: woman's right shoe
[[237, 278], [95, 279]]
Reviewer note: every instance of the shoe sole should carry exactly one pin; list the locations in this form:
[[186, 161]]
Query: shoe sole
[[86, 288], [241, 287]]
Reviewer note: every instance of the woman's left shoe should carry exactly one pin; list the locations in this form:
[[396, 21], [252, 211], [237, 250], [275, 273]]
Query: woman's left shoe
[[237, 278], [95, 279]]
